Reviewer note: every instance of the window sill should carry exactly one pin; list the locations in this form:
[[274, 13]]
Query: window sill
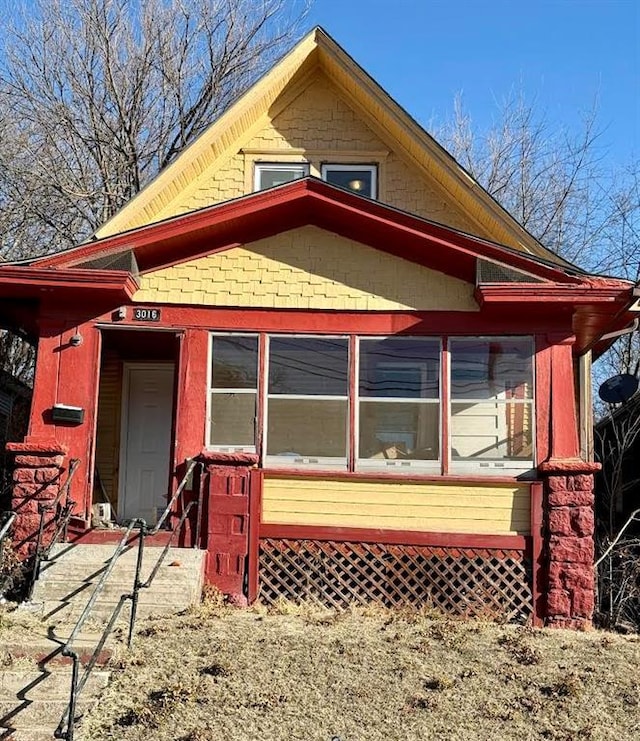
[[297, 472]]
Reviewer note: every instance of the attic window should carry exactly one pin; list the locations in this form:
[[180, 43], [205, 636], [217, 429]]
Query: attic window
[[268, 175], [360, 179]]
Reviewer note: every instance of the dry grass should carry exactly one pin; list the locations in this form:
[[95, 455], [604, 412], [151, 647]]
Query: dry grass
[[366, 675]]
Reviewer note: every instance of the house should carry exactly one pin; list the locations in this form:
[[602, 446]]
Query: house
[[385, 375]]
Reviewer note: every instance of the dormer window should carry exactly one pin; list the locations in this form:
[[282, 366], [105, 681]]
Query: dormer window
[[361, 179], [269, 175]]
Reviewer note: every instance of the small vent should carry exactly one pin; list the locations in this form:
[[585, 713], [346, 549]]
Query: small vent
[[121, 261], [492, 272]]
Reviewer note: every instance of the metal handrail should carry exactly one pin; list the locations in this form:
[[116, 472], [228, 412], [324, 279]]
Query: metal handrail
[[4, 530], [7, 524], [77, 682], [41, 552]]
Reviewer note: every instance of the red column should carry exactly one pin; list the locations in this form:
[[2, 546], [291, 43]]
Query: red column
[[228, 480], [568, 497]]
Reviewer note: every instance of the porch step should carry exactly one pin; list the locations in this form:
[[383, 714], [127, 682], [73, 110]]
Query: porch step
[[68, 578], [35, 683]]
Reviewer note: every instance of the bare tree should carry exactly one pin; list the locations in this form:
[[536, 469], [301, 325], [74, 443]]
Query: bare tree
[[554, 182], [96, 96]]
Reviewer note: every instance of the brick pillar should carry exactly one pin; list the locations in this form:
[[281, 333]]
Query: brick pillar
[[37, 477], [227, 484], [569, 542]]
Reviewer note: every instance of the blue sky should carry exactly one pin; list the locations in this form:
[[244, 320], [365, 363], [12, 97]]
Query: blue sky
[[563, 53]]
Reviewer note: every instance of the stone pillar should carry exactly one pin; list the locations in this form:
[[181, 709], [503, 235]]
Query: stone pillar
[[569, 542], [37, 477]]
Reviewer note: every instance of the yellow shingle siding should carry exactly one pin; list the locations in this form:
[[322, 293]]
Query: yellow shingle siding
[[491, 509], [319, 126], [108, 426], [307, 268]]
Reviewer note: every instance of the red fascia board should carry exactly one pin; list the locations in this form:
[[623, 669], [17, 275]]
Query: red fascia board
[[563, 294], [28, 281], [306, 201]]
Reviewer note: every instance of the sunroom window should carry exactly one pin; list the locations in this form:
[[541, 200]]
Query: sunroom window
[[234, 384], [268, 175], [491, 387], [399, 403], [307, 401], [361, 179]]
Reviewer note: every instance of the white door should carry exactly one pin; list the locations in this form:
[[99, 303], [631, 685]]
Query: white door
[[146, 441]]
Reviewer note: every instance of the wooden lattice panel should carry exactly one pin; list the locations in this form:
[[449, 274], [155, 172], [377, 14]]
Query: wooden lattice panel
[[469, 581]]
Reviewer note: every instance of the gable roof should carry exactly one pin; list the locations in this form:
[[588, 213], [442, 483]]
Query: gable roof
[[599, 305], [298, 203], [318, 51]]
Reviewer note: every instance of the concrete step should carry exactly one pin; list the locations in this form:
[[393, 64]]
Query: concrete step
[[40, 714], [68, 578], [45, 684], [81, 592], [94, 553], [102, 611]]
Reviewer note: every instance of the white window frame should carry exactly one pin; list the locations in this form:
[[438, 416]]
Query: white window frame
[[230, 448], [306, 462], [399, 465], [260, 167], [373, 169], [488, 467]]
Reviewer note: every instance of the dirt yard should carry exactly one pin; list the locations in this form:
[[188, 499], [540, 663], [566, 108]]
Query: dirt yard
[[366, 675]]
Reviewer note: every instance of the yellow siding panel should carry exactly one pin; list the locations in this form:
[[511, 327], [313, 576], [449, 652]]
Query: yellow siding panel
[[307, 268], [108, 426], [488, 509], [320, 123]]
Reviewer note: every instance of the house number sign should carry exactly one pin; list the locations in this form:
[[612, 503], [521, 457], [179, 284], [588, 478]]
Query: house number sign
[[147, 315]]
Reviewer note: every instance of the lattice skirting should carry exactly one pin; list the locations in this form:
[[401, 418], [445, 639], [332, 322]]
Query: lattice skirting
[[468, 581]]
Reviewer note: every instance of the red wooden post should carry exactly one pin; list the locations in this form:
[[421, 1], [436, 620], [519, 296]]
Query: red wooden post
[[538, 587], [227, 517], [255, 516]]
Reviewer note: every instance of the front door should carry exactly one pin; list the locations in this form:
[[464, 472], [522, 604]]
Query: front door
[[146, 441]]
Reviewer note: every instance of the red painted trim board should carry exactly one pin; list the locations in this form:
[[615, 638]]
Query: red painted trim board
[[255, 515], [393, 537], [538, 585]]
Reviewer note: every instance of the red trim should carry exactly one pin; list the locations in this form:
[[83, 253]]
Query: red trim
[[96, 537], [564, 441], [352, 422], [431, 323], [445, 443], [397, 477], [307, 201], [393, 537], [261, 394], [255, 515], [538, 587], [543, 397], [554, 293], [190, 413], [26, 281]]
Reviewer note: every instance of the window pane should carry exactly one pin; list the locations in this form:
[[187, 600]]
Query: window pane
[[234, 362], [502, 431], [399, 429], [307, 427], [406, 367], [269, 177], [358, 181], [492, 369], [233, 419], [308, 366]]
